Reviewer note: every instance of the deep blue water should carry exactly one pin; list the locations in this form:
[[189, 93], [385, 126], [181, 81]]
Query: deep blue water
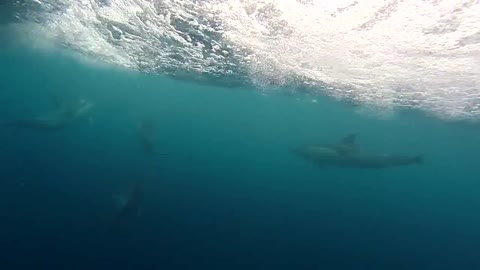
[[223, 191]]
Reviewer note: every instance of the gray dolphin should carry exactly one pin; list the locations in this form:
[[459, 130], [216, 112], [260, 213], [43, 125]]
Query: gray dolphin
[[130, 207], [146, 133], [346, 154], [56, 119]]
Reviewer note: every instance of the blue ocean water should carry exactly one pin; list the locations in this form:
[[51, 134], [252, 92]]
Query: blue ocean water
[[223, 191]]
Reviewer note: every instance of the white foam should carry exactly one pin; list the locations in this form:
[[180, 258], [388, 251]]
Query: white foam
[[423, 54]]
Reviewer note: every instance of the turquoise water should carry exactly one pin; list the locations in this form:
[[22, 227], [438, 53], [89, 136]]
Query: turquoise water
[[223, 191]]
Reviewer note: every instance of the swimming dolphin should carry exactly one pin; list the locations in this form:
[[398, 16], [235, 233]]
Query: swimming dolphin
[[56, 119], [130, 207], [146, 132], [345, 154]]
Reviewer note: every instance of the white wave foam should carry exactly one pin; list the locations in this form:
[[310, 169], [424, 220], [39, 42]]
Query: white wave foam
[[422, 54]]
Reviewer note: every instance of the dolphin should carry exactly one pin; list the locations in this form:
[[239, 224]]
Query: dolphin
[[130, 207], [55, 119], [146, 132], [345, 154]]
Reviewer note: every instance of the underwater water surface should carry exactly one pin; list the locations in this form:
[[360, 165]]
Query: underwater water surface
[[116, 155]]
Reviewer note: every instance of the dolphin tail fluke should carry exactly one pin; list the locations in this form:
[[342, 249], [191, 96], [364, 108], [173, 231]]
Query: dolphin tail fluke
[[418, 159]]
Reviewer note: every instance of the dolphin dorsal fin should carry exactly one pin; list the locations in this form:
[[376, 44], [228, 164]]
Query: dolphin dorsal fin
[[347, 145]]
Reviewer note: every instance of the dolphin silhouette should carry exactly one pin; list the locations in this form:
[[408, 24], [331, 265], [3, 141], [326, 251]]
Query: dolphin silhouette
[[55, 119], [345, 154], [130, 207], [146, 133]]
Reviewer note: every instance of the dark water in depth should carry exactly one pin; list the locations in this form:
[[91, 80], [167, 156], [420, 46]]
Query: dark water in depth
[[223, 191]]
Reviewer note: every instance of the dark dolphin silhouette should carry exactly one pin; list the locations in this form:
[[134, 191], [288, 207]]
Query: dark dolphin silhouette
[[58, 118], [146, 133], [129, 208], [346, 154]]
